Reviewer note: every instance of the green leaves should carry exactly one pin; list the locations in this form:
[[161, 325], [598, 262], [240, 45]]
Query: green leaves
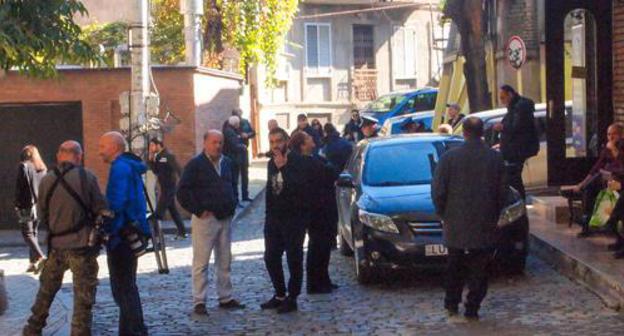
[[35, 35]]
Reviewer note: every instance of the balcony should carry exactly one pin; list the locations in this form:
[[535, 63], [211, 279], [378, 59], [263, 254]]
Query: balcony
[[364, 84]]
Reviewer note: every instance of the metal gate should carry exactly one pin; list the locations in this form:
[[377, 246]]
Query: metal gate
[[43, 125]]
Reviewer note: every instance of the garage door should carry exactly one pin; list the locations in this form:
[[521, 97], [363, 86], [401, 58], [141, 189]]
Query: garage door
[[43, 125]]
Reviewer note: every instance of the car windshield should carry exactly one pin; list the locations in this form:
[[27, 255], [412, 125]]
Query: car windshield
[[386, 103], [399, 165]]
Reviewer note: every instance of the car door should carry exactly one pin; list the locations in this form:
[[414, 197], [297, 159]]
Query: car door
[[346, 195]]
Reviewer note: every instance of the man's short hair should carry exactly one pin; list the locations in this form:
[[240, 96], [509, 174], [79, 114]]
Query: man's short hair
[[509, 89], [281, 132], [237, 112], [234, 120], [212, 132], [70, 147], [157, 141], [454, 106], [302, 117], [473, 127]]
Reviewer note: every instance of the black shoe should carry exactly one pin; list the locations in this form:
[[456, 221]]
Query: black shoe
[[180, 237], [289, 305], [232, 304], [583, 234], [247, 199], [200, 309], [323, 290], [274, 303], [619, 254], [615, 246], [471, 316]]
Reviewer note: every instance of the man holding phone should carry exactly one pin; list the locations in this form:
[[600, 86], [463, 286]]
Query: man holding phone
[[287, 216]]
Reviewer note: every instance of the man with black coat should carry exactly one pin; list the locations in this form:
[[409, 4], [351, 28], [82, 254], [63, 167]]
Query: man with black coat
[[247, 133], [205, 190], [468, 191], [164, 165], [353, 129], [519, 140], [304, 126], [287, 216], [336, 150], [234, 148]]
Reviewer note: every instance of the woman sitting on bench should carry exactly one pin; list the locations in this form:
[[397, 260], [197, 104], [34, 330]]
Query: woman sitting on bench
[[610, 164]]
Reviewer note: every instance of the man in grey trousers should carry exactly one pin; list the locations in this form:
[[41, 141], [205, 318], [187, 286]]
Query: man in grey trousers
[[206, 190], [468, 191]]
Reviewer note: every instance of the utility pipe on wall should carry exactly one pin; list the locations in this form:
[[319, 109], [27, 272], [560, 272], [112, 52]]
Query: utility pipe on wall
[[138, 45], [192, 11]]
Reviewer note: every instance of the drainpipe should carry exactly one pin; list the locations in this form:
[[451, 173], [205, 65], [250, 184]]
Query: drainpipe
[[192, 11], [138, 45]]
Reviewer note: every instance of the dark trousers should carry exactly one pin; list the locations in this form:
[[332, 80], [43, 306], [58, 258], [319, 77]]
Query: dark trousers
[[285, 235], [467, 268], [321, 237], [513, 174], [244, 174], [30, 232], [84, 267], [236, 168], [166, 201], [122, 266]]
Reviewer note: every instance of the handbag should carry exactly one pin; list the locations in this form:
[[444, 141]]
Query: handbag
[[605, 202]]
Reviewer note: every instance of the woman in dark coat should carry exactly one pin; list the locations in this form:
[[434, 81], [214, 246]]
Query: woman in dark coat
[[31, 170]]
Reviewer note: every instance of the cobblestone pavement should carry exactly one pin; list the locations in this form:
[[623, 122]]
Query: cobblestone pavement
[[540, 303]]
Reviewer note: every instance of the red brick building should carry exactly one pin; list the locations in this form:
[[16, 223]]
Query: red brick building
[[82, 104]]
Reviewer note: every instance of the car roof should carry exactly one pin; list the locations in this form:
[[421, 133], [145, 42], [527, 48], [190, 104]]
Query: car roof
[[415, 115], [411, 92], [409, 138], [500, 112]]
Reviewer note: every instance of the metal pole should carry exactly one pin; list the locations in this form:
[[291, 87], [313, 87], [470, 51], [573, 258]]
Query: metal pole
[[192, 11], [139, 65]]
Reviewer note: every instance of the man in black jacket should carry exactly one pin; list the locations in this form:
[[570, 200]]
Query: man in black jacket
[[247, 133], [468, 191], [353, 129], [164, 165], [304, 126], [287, 216], [205, 190], [519, 140], [234, 148]]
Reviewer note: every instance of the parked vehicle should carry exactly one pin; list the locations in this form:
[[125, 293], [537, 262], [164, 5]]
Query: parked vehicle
[[401, 103], [387, 217], [392, 126]]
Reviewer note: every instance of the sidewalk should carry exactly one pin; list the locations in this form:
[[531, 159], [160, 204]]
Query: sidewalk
[[257, 182], [585, 260]]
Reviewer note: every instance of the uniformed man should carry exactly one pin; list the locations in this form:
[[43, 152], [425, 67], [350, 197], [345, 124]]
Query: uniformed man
[[164, 165], [369, 127], [70, 201]]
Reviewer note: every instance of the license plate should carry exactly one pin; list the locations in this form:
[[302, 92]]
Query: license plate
[[435, 250]]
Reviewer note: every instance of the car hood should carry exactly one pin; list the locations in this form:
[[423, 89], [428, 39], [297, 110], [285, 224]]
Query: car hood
[[402, 200]]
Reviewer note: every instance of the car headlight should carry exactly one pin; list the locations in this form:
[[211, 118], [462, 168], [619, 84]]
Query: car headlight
[[512, 213], [377, 221]]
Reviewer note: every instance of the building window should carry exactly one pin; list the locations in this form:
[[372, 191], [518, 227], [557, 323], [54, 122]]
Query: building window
[[318, 48], [404, 53]]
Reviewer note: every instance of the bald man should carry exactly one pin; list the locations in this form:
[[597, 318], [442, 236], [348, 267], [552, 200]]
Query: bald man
[[126, 199], [205, 190], [70, 200]]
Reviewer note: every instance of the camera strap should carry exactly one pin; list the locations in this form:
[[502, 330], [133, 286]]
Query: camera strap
[[60, 179]]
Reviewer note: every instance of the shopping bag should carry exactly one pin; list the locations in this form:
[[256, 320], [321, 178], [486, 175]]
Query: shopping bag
[[605, 202]]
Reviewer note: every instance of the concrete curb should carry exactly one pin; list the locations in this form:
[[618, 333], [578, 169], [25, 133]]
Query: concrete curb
[[607, 287]]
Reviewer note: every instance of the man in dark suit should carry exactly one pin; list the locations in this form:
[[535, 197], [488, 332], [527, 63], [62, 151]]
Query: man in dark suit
[[164, 165], [519, 140], [247, 133], [468, 191], [304, 126]]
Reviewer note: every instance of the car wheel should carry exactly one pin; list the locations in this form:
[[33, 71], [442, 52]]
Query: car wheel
[[344, 247], [365, 275]]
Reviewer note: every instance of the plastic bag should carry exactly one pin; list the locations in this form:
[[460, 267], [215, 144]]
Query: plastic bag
[[605, 202]]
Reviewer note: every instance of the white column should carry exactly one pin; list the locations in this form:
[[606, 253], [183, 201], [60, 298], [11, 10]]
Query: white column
[[139, 63], [192, 11]]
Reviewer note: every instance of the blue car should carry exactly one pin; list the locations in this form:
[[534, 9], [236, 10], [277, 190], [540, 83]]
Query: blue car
[[387, 218], [394, 125], [401, 103]]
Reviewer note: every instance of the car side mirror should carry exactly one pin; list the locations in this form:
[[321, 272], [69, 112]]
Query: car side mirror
[[345, 181]]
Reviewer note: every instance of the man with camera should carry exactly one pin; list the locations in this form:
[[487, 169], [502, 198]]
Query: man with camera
[[72, 206], [127, 229]]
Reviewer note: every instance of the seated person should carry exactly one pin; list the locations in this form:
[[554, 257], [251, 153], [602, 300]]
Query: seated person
[[610, 163], [411, 126]]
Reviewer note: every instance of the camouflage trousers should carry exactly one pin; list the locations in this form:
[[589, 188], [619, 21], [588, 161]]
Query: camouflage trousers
[[84, 267]]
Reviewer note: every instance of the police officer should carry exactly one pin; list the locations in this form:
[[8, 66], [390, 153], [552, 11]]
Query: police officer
[[70, 200], [369, 127], [164, 165]]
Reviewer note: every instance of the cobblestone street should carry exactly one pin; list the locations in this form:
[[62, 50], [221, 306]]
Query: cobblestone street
[[541, 303]]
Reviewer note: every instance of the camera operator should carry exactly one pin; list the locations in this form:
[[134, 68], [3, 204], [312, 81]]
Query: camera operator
[[126, 199], [70, 201]]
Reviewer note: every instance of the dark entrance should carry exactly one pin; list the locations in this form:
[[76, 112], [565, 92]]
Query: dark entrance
[[43, 125], [579, 85]]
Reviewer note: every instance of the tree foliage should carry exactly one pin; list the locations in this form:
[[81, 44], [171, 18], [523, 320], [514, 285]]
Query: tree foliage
[[107, 37], [167, 35], [36, 35]]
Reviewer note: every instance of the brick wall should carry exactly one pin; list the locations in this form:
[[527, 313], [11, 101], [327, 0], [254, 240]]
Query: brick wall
[[98, 90], [618, 60]]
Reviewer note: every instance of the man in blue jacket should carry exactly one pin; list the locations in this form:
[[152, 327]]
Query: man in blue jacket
[[125, 197], [205, 190]]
